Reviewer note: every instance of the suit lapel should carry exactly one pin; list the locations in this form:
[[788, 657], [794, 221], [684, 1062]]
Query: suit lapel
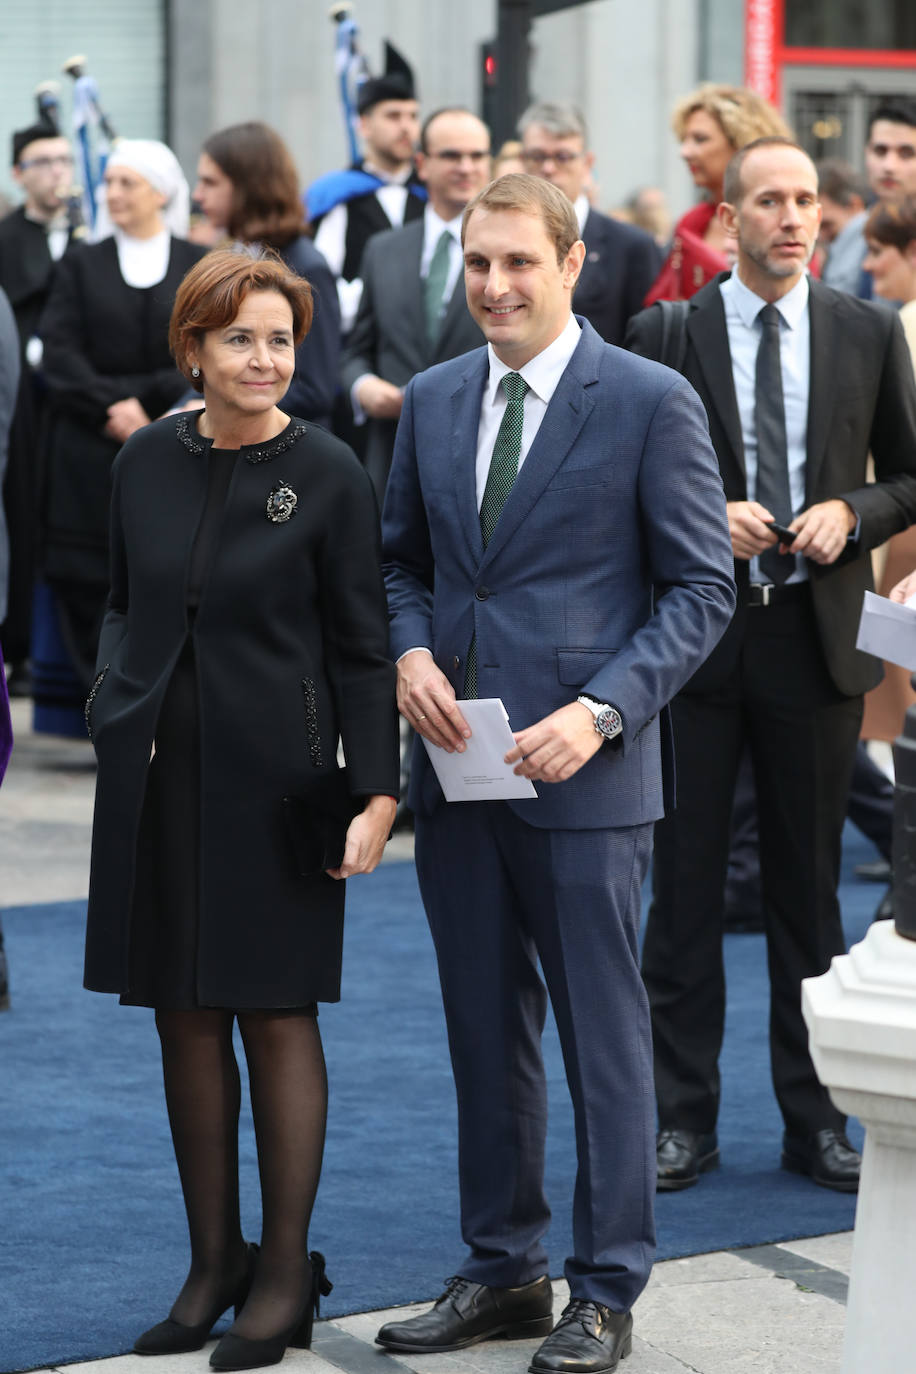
[[823, 383], [707, 331], [410, 287], [454, 314], [466, 401], [569, 408]]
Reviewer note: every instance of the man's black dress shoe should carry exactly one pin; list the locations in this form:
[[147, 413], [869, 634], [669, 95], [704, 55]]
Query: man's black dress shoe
[[826, 1157], [588, 1339], [682, 1156], [469, 1312]]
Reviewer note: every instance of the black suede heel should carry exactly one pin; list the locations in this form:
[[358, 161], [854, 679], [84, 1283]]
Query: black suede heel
[[236, 1352], [175, 1338]]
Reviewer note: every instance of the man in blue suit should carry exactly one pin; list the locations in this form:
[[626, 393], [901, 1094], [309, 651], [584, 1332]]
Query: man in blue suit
[[554, 535]]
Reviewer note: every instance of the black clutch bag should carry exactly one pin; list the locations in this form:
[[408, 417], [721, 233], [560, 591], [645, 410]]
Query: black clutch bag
[[318, 821]]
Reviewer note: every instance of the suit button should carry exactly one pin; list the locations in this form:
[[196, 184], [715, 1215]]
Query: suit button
[[456, 662], [482, 593]]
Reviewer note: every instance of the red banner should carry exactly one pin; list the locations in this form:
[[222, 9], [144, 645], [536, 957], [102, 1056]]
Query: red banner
[[762, 47]]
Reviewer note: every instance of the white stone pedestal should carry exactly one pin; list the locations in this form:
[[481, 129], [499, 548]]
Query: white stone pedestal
[[861, 1018]]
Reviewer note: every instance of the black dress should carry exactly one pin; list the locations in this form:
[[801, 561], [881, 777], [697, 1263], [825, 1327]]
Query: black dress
[[165, 914]]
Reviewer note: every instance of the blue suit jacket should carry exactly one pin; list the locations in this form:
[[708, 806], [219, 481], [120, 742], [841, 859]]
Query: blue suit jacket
[[609, 571]]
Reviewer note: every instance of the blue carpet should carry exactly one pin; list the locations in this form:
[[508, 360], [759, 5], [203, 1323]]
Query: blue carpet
[[92, 1238]]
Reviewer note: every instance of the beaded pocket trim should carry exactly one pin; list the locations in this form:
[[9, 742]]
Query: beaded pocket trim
[[310, 696], [93, 691]]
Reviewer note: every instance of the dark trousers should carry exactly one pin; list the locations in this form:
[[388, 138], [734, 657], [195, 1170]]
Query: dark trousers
[[501, 894], [802, 736]]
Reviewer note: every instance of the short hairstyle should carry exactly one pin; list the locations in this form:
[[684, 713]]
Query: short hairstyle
[[211, 295], [893, 224], [530, 196], [442, 110], [23, 137], [840, 181], [733, 186], [266, 201], [899, 110], [742, 115], [561, 119]]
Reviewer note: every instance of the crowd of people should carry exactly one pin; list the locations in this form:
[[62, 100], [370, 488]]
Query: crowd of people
[[659, 570]]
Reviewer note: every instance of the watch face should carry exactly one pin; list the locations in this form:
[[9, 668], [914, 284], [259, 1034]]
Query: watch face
[[609, 722]]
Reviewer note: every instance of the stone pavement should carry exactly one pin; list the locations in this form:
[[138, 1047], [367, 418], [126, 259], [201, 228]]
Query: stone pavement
[[773, 1309]]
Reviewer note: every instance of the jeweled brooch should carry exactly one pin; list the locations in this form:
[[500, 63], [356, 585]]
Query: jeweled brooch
[[281, 503]]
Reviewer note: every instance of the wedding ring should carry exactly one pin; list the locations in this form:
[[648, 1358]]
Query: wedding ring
[[419, 718]]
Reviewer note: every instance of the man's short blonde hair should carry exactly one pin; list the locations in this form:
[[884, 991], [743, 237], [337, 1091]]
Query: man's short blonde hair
[[529, 196]]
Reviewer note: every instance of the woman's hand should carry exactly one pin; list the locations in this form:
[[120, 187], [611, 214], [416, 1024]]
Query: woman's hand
[[905, 589], [124, 417], [366, 838]]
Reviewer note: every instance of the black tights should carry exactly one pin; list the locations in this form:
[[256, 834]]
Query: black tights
[[289, 1095]]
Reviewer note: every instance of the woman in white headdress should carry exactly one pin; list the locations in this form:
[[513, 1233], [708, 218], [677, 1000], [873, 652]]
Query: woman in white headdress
[[108, 370]]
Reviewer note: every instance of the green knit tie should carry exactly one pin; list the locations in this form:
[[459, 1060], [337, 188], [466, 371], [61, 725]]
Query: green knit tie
[[434, 286], [500, 478]]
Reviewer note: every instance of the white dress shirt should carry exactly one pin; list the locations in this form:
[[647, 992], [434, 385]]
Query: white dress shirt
[[742, 308], [331, 240], [542, 374], [433, 229]]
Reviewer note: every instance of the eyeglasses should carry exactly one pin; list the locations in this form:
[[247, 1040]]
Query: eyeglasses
[[44, 164], [536, 157], [453, 155]]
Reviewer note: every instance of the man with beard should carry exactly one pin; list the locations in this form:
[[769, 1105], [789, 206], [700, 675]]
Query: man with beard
[[800, 382]]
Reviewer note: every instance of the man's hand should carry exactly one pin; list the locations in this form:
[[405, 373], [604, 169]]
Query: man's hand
[[426, 699], [748, 529], [557, 746], [124, 417], [367, 835], [823, 530], [379, 399], [905, 589]]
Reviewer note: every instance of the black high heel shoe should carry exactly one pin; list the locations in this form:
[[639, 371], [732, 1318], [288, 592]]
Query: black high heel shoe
[[175, 1338], [235, 1352]]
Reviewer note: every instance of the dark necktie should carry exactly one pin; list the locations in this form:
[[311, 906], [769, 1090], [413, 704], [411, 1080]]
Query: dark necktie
[[434, 286], [502, 474], [772, 451]]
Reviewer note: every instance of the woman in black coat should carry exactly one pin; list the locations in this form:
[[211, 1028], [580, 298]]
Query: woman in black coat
[[246, 633], [108, 371], [248, 190]]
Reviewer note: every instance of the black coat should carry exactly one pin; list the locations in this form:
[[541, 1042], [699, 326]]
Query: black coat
[[103, 341], [862, 400], [621, 263], [314, 386], [290, 642]]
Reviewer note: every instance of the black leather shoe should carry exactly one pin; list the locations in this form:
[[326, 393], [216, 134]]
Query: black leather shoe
[[588, 1339], [826, 1157], [469, 1312], [682, 1156]]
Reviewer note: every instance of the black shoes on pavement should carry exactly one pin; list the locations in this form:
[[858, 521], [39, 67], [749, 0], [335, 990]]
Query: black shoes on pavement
[[682, 1156], [588, 1339], [469, 1312], [826, 1157]]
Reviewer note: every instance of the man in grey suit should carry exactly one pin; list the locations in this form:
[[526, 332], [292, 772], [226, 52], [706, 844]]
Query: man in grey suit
[[555, 535], [413, 311]]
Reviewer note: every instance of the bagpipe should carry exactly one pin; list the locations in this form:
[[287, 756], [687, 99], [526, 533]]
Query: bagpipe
[[352, 70], [93, 134]]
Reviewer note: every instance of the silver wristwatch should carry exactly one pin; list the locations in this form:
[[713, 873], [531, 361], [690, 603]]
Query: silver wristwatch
[[607, 719]]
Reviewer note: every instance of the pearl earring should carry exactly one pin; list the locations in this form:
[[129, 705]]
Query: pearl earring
[[195, 371]]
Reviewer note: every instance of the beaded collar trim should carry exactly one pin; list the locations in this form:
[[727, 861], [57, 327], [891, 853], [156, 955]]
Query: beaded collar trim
[[187, 435]]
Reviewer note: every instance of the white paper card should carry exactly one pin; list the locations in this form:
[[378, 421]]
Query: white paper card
[[888, 630], [479, 774]]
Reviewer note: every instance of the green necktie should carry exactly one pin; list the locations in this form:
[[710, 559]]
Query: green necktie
[[500, 478], [434, 286]]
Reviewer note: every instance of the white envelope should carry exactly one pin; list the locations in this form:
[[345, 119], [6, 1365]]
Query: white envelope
[[888, 630], [479, 774]]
